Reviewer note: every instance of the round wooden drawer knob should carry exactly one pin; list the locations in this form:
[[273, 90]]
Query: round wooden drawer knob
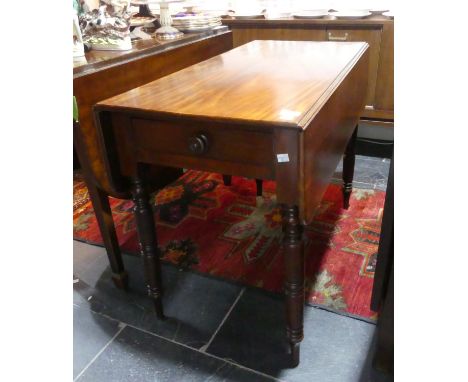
[[198, 144]]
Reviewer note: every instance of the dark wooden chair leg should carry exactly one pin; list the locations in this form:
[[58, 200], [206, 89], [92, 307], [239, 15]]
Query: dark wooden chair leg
[[293, 247], [348, 169], [259, 184], [102, 210], [148, 243], [227, 179]]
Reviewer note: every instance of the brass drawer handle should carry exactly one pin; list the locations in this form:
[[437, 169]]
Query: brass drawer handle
[[198, 144], [337, 38]]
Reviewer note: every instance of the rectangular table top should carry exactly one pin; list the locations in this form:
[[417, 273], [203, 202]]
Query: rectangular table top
[[266, 82], [99, 60]]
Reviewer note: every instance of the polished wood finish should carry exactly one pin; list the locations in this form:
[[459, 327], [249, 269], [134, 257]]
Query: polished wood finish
[[101, 60], [371, 35], [281, 110], [249, 85], [384, 85], [348, 169], [103, 213], [326, 139], [242, 36], [110, 73], [148, 242], [293, 248], [107, 73], [377, 33]]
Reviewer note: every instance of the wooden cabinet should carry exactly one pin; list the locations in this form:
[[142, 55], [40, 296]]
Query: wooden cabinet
[[372, 37], [244, 35], [377, 33]]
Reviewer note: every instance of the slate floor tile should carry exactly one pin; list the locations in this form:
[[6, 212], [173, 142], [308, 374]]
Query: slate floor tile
[[195, 305], [369, 172], [91, 332], [369, 373], [334, 347], [138, 356]]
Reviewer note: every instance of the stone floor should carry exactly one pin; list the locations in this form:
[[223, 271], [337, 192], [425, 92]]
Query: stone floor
[[216, 330]]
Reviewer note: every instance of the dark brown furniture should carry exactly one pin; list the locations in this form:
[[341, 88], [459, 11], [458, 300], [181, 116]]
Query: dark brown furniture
[[106, 73], [382, 292], [282, 110], [378, 33]]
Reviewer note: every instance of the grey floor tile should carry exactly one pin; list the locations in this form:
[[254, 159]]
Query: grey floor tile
[[139, 356], [91, 332], [369, 373], [369, 172], [334, 347], [195, 305]]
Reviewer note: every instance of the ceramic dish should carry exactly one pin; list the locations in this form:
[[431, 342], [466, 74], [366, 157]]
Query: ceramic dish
[[351, 14], [311, 14], [273, 14], [378, 11], [140, 21], [388, 14], [197, 29]]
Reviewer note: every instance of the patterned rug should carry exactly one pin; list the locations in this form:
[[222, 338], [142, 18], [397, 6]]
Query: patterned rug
[[228, 232]]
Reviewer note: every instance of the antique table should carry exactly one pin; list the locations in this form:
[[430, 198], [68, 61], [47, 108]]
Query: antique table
[[103, 74], [281, 110]]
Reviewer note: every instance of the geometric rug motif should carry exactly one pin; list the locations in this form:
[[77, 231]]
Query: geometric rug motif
[[228, 232]]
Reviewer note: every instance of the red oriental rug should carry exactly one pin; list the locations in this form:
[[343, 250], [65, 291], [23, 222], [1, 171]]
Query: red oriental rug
[[230, 233]]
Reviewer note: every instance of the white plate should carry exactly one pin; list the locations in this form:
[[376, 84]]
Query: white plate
[[140, 21], [311, 14], [389, 14], [351, 14], [272, 14], [200, 29], [377, 11]]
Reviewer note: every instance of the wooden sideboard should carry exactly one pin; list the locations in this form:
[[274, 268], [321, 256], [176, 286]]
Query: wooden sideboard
[[377, 33]]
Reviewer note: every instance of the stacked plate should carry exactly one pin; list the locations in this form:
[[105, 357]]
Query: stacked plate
[[311, 14], [351, 14], [196, 23]]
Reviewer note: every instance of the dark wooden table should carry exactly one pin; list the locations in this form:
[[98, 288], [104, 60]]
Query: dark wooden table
[[281, 110], [104, 74]]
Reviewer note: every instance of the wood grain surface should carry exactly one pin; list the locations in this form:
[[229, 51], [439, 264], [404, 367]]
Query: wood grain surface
[[110, 78], [378, 33], [272, 82]]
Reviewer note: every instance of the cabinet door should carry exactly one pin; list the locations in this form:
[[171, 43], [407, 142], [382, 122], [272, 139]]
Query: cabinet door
[[384, 87], [372, 37], [244, 35]]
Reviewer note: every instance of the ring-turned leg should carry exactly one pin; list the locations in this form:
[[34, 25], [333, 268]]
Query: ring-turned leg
[[293, 248], [148, 243], [348, 169]]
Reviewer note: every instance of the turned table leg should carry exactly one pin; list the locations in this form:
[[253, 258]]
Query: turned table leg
[[259, 184], [227, 179], [102, 210], [148, 243], [293, 248], [348, 169]]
